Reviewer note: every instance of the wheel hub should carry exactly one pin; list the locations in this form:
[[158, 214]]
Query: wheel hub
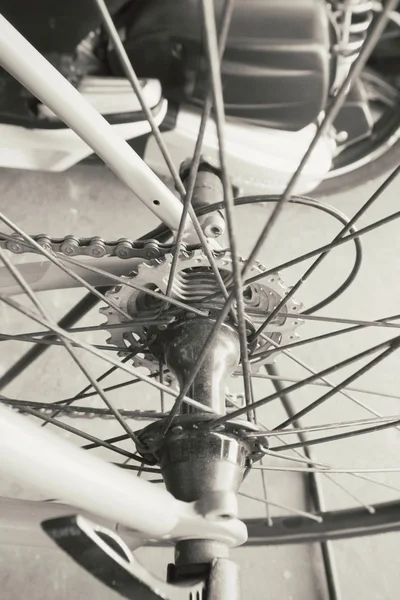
[[199, 463], [196, 461]]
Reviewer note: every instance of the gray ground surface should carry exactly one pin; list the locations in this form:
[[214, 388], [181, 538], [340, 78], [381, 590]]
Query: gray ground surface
[[90, 201]]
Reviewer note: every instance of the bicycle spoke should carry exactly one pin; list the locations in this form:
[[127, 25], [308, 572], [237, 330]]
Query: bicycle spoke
[[290, 509], [225, 310], [380, 324], [323, 384], [270, 521], [72, 316], [368, 507], [140, 469], [327, 247], [68, 346], [322, 256], [377, 482], [393, 348], [103, 356], [304, 382], [339, 436], [188, 196], [330, 115], [294, 459], [98, 380], [315, 489], [324, 427], [134, 81], [112, 440], [36, 336], [231, 302], [81, 410], [79, 433], [110, 388], [350, 471], [329, 335], [214, 66], [341, 390], [161, 378], [59, 264], [47, 343]]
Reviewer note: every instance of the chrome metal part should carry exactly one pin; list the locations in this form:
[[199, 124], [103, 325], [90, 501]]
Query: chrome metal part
[[193, 282], [208, 190], [189, 552], [351, 20], [182, 343], [196, 462]]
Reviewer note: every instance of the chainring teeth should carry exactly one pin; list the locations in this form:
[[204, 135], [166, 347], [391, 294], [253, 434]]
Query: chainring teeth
[[190, 286]]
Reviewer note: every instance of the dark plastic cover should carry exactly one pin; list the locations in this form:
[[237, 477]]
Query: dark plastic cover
[[276, 67]]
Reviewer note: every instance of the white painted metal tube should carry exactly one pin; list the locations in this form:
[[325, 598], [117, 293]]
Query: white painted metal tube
[[44, 275], [37, 457], [29, 67], [20, 523]]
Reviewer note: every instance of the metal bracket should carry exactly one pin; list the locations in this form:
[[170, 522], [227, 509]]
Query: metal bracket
[[105, 555]]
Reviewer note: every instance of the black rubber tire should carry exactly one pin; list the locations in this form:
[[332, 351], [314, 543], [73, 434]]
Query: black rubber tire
[[385, 163]]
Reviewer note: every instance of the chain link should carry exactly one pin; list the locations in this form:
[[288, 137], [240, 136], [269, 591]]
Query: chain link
[[80, 412], [95, 247], [88, 412]]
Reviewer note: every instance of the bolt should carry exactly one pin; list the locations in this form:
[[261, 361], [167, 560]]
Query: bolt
[[219, 428], [177, 429], [341, 136], [176, 50]]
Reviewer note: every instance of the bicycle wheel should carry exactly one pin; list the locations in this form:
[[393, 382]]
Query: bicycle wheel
[[194, 320]]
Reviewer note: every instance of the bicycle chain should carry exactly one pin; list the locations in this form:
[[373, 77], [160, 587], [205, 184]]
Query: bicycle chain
[[95, 247], [80, 412], [86, 412]]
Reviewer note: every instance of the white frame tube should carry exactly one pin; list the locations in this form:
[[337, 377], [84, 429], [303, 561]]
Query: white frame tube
[[46, 462], [20, 523], [44, 275], [30, 68], [39, 458]]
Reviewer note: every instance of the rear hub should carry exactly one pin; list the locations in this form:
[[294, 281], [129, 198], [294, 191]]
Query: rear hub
[[198, 462]]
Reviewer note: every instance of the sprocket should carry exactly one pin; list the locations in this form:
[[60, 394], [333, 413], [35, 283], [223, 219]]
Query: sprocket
[[194, 281]]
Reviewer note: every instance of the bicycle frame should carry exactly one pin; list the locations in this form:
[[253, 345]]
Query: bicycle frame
[[35, 73], [35, 456], [50, 464], [31, 69]]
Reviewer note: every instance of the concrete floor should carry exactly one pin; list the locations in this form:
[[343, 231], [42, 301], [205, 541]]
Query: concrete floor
[[89, 201]]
